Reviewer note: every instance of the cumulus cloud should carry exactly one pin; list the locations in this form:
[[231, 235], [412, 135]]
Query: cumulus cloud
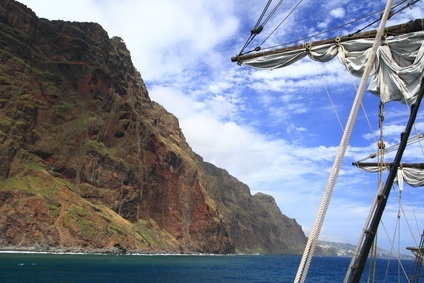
[[338, 13]]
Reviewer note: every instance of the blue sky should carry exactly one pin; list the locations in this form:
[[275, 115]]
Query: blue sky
[[275, 130]]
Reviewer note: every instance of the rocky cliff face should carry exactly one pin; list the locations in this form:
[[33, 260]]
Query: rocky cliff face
[[88, 161], [255, 222]]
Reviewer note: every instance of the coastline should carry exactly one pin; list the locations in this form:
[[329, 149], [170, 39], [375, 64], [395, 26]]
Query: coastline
[[94, 251], [70, 250]]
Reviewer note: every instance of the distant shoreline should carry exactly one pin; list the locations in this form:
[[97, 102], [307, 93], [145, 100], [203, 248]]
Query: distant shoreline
[[102, 251], [67, 250]]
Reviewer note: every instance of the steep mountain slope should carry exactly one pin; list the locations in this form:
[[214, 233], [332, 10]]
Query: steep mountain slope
[[255, 222], [88, 161]]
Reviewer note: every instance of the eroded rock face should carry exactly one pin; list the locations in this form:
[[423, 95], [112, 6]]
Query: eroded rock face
[[254, 222], [31, 222], [100, 163]]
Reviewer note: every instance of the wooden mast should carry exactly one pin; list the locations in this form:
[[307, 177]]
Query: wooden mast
[[419, 257], [341, 150], [371, 230], [411, 26]]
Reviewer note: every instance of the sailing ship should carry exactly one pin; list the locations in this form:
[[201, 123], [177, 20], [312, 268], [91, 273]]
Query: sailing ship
[[394, 57]]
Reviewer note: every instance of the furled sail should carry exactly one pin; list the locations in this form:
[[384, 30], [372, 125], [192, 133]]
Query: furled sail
[[412, 174], [397, 70], [397, 64]]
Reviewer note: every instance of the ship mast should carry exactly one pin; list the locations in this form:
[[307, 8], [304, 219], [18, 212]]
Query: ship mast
[[344, 142], [412, 26], [419, 256], [382, 31], [381, 201]]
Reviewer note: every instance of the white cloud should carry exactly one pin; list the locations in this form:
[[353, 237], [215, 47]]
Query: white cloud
[[338, 13]]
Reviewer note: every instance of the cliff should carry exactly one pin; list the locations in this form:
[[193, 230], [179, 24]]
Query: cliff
[[89, 162], [255, 223]]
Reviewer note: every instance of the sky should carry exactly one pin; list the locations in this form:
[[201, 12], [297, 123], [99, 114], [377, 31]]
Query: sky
[[276, 131]]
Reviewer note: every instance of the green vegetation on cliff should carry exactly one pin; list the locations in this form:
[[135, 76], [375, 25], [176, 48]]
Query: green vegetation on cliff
[[89, 162]]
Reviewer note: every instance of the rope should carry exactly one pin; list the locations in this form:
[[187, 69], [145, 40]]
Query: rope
[[351, 151], [401, 209], [258, 26], [409, 5], [415, 217], [259, 47], [272, 12], [255, 29], [408, 223], [319, 219], [373, 263], [291, 12], [391, 14], [380, 144], [415, 139], [323, 32], [263, 14], [302, 271]]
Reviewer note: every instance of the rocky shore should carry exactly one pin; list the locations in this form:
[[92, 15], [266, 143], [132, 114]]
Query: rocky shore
[[88, 251], [69, 250]]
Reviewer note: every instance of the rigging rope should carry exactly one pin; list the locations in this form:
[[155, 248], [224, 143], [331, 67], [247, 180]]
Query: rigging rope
[[301, 275], [291, 12], [409, 5], [258, 28], [272, 12], [319, 219], [373, 265], [399, 197], [391, 14], [255, 29], [392, 148], [323, 32], [262, 15], [401, 209], [313, 237], [380, 144]]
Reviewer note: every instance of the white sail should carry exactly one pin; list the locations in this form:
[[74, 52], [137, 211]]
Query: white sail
[[396, 64], [412, 176], [397, 70]]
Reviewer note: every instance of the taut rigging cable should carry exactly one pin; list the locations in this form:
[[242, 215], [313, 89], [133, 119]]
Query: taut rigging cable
[[291, 12], [259, 27]]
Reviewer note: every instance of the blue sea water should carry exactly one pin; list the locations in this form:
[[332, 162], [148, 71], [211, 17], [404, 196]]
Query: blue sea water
[[26, 267]]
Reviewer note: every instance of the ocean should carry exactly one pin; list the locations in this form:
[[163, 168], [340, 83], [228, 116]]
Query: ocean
[[30, 267]]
